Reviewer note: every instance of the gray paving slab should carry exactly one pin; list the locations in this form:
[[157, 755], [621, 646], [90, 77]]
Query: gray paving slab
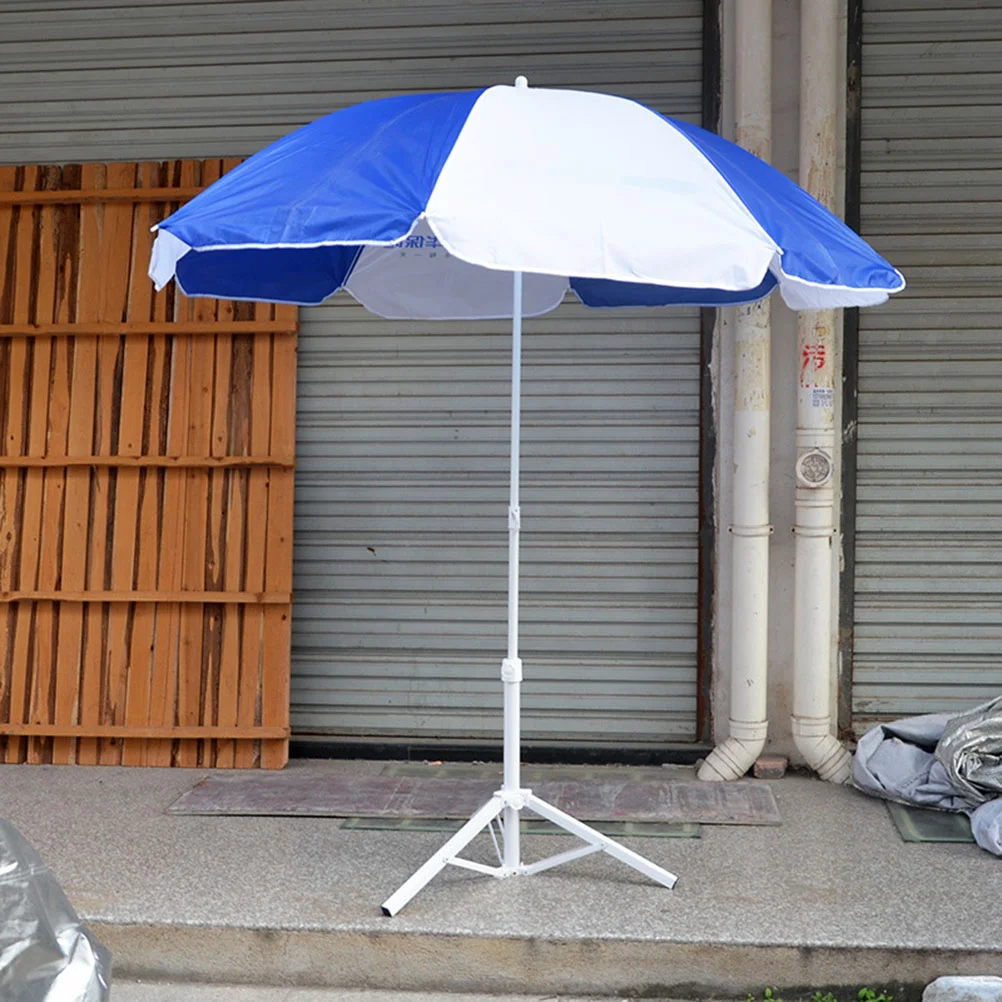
[[298, 898]]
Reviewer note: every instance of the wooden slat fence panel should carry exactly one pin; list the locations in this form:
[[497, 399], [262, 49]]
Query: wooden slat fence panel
[[147, 448]]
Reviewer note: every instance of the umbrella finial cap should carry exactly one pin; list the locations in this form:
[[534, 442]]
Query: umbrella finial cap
[[521, 81]]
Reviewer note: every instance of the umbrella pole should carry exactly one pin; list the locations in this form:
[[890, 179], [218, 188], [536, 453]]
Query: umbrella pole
[[507, 803], [511, 666]]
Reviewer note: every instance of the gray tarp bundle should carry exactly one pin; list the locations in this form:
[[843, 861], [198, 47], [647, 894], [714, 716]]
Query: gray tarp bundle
[[942, 761], [45, 953]]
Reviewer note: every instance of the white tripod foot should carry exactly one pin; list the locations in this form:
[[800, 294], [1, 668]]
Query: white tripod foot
[[518, 801], [596, 842], [445, 855]]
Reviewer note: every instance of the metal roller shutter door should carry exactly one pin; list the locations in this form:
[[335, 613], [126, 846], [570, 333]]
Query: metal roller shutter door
[[111, 80], [401, 525], [928, 603], [406, 640]]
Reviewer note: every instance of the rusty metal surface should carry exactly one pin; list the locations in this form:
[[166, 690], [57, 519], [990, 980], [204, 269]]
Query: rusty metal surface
[[606, 799]]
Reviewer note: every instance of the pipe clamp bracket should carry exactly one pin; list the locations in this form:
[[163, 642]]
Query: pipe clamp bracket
[[814, 531], [751, 531]]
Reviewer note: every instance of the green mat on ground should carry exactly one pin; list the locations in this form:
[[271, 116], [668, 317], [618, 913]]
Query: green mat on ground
[[614, 829], [917, 824]]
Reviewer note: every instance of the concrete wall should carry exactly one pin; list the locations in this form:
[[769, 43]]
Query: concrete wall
[[785, 375]]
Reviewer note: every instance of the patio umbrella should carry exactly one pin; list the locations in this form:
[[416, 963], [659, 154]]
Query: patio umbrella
[[497, 203]]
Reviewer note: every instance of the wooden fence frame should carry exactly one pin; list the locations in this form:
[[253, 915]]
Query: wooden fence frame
[[146, 486]]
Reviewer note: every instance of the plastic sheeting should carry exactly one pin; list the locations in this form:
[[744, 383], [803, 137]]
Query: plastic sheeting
[[971, 751], [940, 761], [46, 955], [986, 826]]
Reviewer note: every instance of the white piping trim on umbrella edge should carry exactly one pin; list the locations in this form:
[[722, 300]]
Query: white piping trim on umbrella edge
[[450, 248], [596, 277], [493, 267], [779, 250], [775, 267], [842, 288], [299, 246]]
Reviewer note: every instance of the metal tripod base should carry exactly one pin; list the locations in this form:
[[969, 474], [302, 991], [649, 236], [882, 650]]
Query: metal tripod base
[[486, 817]]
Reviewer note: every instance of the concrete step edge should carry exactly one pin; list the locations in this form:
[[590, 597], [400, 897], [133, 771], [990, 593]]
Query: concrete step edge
[[403, 961], [161, 991]]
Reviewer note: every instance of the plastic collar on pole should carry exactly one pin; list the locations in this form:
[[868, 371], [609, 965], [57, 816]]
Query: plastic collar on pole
[[511, 670]]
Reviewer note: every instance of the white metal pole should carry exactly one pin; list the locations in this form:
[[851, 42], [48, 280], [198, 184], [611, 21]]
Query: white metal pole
[[815, 494], [514, 520], [511, 667]]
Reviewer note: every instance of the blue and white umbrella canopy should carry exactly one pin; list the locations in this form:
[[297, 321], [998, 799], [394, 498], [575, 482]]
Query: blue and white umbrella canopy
[[421, 206]]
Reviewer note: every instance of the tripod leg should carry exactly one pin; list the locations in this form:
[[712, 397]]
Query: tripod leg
[[440, 860], [600, 841]]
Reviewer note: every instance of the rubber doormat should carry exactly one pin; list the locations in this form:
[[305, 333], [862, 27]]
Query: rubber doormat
[[613, 797], [916, 824], [614, 829]]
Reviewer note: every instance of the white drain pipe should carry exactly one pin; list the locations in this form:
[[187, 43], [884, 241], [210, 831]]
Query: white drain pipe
[[815, 496], [750, 530]]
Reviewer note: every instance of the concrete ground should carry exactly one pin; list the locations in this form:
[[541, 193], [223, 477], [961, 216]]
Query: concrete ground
[[830, 898]]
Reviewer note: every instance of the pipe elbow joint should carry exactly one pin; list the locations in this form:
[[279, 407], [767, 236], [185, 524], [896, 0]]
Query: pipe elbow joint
[[823, 752], [735, 756]]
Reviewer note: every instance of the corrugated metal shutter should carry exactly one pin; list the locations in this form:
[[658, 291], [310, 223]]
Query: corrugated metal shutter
[[928, 616], [401, 543], [398, 623], [114, 80]]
